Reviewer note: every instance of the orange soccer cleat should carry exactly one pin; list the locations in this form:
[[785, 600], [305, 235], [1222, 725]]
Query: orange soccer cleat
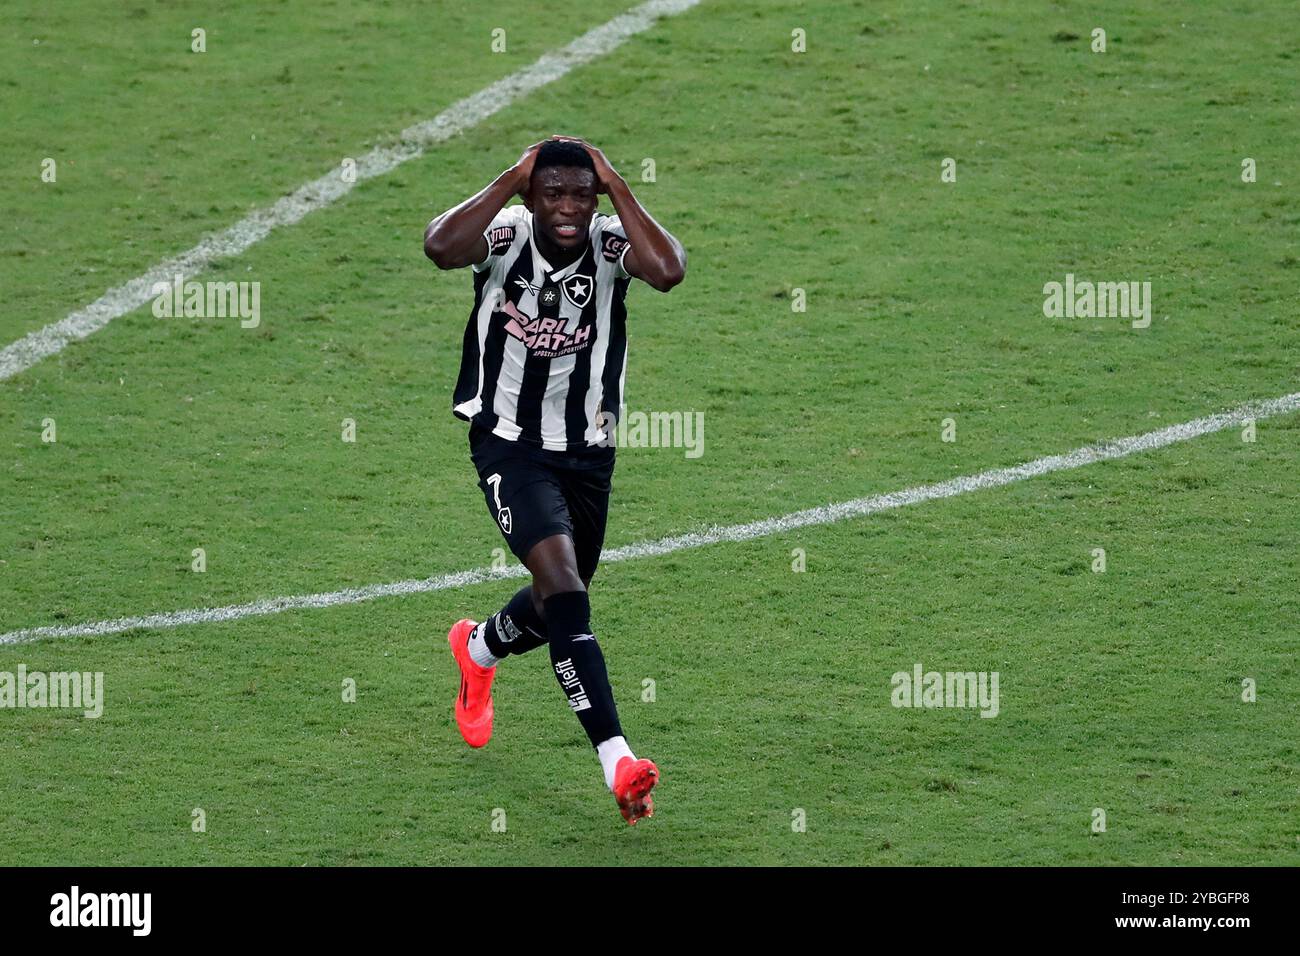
[[633, 781], [474, 699]]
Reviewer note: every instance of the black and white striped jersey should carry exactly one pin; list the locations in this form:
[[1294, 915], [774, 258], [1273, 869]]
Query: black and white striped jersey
[[545, 350]]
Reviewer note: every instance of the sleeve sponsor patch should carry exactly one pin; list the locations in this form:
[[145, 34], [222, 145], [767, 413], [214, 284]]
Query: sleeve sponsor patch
[[500, 239], [613, 247]]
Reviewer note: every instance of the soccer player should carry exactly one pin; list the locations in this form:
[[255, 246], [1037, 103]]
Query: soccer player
[[541, 384]]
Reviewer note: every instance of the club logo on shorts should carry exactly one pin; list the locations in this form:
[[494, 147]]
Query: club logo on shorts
[[493, 481], [578, 289]]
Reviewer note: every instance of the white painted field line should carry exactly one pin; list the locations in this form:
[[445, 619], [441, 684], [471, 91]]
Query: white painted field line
[[331, 187], [826, 514]]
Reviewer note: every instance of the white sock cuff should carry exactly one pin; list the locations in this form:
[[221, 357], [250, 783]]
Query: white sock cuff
[[610, 752], [478, 649]]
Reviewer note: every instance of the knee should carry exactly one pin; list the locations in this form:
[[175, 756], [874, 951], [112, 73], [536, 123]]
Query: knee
[[554, 567], [556, 581]]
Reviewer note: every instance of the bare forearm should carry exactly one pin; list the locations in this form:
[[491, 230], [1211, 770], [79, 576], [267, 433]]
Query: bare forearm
[[660, 258], [454, 239]]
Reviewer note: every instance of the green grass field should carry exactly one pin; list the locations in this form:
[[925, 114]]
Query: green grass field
[[779, 171]]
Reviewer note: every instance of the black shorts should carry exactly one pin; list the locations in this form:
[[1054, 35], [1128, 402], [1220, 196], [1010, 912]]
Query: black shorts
[[533, 493]]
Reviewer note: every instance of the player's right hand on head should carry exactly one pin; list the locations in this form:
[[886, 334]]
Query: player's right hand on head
[[524, 167]]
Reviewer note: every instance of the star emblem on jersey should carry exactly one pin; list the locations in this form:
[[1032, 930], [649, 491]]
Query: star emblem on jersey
[[578, 289], [549, 297]]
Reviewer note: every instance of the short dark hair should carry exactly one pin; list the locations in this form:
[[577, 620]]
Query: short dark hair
[[562, 152]]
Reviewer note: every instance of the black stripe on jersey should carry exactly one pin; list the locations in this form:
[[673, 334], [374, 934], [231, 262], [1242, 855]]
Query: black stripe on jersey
[[537, 372], [616, 355], [575, 403], [467, 380], [495, 349]]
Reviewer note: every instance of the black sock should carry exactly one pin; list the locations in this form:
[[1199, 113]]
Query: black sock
[[580, 666], [516, 628]]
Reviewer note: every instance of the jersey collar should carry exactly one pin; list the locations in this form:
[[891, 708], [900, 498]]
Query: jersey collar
[[551, 273]]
